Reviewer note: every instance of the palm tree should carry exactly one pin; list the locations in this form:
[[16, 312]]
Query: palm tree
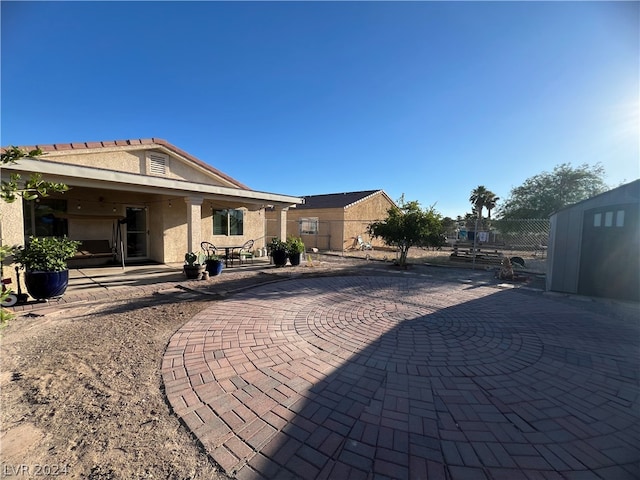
[[490, 203], [477, 199]]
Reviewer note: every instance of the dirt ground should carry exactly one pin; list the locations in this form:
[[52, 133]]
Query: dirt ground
[[81, 390], [82, 394]]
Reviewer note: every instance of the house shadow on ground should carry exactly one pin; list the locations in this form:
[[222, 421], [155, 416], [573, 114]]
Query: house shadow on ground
[[407, 378]]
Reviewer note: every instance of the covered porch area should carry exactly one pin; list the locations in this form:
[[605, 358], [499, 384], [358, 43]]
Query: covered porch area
[[130, 219], [135, 202]]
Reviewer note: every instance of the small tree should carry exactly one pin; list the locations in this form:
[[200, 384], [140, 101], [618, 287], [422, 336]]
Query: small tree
[[32, 188], [541, 195], [408, 225]]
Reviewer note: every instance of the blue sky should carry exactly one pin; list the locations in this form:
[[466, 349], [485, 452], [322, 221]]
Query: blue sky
[[428, 99]]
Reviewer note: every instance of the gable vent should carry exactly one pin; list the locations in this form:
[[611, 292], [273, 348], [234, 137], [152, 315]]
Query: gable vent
[[157, 164]]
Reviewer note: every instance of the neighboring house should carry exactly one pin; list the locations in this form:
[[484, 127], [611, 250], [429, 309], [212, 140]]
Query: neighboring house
[[161, 201], [334, 221], [594, 246]]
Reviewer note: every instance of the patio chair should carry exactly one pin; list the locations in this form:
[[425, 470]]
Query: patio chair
[[208, 248], [246, 251], [362, 245]]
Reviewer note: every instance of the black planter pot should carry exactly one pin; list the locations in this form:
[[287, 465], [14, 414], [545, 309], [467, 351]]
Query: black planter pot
[[294, 258], [279, 258], [214, 267], [44, 285]]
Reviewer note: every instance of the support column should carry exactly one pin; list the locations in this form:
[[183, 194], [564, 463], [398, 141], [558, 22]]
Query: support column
[[194, 223], [282, 223]]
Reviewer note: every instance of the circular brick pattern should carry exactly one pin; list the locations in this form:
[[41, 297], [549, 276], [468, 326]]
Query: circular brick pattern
[[421, 335], [407, 377]]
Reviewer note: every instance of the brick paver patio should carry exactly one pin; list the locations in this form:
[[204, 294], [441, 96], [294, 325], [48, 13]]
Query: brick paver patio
[[376, 377]]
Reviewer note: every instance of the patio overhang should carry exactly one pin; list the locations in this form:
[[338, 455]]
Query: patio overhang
[[90, 177]]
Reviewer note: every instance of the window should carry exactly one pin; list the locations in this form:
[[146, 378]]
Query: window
[[597, 220], [236, 222], [620, 218], [42, 218], [220, 222], [608, 219], [228, 222], [309, 226]]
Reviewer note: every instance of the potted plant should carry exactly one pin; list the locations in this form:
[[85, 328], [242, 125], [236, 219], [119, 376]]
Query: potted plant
[[213, 264], [45, 262], [193, 267], [278, 252], [295, 248]]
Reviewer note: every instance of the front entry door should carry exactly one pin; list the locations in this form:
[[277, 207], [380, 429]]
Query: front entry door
[[136, 233]]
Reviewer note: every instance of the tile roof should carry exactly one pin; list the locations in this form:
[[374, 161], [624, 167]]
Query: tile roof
[[335, 200], [62, 147]]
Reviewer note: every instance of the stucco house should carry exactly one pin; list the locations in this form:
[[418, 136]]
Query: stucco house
[[594, 246], [160, 200], [334, 221]]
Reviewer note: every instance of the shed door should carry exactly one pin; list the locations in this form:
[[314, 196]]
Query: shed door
[[610, 258]]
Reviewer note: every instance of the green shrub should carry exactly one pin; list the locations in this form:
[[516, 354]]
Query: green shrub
[[294, 245], [276, 245], [46, 254]]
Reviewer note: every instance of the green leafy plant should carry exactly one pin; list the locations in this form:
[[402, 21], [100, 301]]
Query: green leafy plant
[[408, 225], [276, 245], [47, 254], [541, 195], [294, 245], [192, 259], [32, 188], [211, 257], [5, 315]]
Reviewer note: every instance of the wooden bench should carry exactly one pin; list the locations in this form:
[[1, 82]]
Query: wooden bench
[[92, 253], [465, 253]]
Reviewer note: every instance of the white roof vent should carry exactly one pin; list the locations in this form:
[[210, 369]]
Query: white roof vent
[[157, 164]]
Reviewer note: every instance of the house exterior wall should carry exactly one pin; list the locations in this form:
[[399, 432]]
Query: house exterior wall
[[330, 227], [253, 229], [338, 228], [167, 229], [360, 215], [138, 161], [12, 218], [330, 234], [174, 232], [117, 160], [179, 170]]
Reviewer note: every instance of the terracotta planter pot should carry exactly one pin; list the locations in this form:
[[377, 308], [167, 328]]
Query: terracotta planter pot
[[193, 272]]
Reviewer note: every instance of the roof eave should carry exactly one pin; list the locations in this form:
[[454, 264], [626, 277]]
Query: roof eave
[[88, 177]]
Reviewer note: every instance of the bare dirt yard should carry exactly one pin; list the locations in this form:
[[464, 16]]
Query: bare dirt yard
[[81, 390]]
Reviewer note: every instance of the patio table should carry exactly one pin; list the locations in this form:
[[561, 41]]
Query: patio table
[[228, 253]]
